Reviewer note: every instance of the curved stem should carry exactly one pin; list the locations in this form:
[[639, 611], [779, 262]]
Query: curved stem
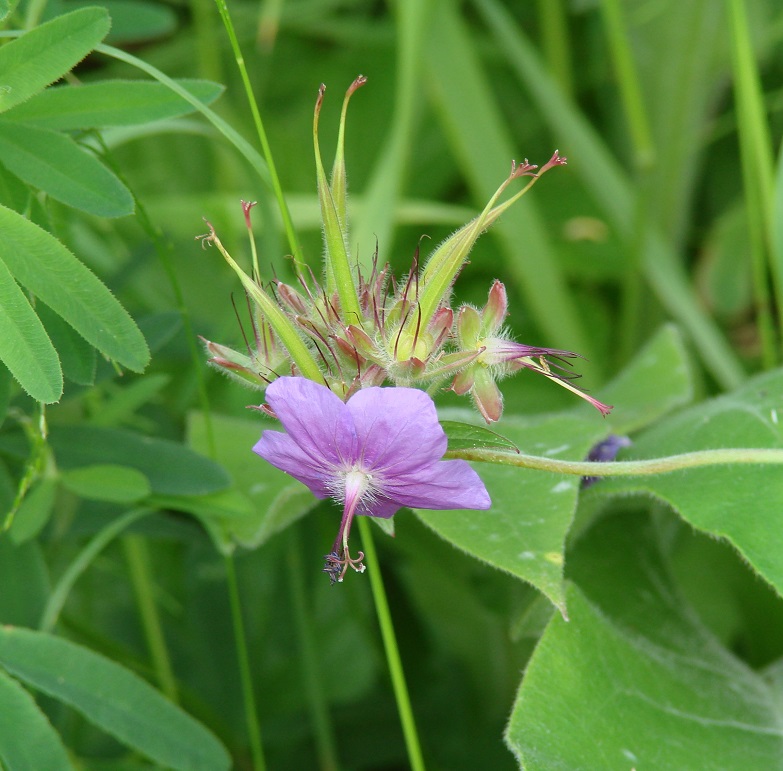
[[392, 651], [647, 467]]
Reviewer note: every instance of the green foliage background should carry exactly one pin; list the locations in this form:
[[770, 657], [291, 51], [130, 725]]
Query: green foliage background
[[142, 538]]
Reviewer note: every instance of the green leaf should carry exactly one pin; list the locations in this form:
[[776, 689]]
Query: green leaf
[[743, 504], [651, 688], [25, 347], [54, 163], [106, 482], [46, 53], [27, 739], [524, 531], [171, 468], [77, 356], [270, 500], [46, 268], [464, 436], [112, 698], [658, 381], [34, 511], [110, 103]]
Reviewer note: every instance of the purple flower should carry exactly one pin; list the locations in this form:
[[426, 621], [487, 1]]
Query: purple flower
[[374, 454]]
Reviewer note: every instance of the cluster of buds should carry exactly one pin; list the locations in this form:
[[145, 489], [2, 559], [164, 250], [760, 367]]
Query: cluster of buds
[[355, 329]]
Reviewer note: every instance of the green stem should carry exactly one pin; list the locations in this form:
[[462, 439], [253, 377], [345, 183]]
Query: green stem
[[139, 566], [83, 560], [245, 676], [390, 645], [316, 699], [288, 224], [664, 465]]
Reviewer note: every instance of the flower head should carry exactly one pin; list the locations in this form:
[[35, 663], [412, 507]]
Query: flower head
[[375, 453]]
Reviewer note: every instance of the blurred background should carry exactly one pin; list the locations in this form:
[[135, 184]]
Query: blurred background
[[666, 211]]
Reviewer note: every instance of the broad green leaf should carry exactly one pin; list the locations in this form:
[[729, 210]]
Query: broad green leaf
[[112, 698], [54, 163], [464, 436], [171, 468], [633, 680], [77, 356], [34, 511], [27, 739], [270, 500], [741, 503], [110, 103], [22, 567], [25, 347], [46, 53], [524, 531], [46, 268], [658, 381], [106, 482]]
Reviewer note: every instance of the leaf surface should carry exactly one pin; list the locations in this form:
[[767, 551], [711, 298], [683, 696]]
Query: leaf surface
[[54, 163], [40, 263], [45, 53], [113, 698], [110, 103], [635, 667]]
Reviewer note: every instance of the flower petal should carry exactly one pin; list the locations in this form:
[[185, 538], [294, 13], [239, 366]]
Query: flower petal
[[315, 419], [448, 484], [397, 429], [283, 452]]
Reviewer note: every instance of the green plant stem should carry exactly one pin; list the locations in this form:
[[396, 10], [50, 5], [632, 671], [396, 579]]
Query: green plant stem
[[83, 560], [390, 645], [316, 699], [139, 566], [288, 224], [664, 465], [243, 660]]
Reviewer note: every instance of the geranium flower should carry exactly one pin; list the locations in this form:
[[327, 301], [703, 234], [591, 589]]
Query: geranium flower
[[377, 452]]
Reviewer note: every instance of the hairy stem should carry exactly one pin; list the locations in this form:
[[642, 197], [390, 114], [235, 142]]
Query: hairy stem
[[626, 468]]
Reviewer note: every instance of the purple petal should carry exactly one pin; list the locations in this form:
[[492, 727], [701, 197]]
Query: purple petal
[[315, 419], [448, 484], [283, 453], [397, 429]]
